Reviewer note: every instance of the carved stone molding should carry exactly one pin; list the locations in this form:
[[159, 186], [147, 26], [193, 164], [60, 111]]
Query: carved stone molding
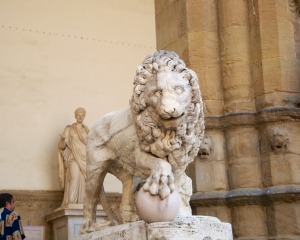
[[275, 114], [247, 196], [206, 147], [48, 196], [278, 141], [295, 8]]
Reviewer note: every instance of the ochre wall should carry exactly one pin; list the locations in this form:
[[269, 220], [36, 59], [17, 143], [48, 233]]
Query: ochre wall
[[247, 57], [57, 56]]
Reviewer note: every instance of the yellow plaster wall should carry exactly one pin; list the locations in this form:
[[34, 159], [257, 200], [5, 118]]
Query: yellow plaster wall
[[56, 56]]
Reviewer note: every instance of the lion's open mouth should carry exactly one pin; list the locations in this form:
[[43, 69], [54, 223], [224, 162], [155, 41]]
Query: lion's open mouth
[[171, 117], [203, 153], [172, 122]]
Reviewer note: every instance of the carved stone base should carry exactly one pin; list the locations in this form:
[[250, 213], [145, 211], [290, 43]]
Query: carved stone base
[[194, 227], [67, 220]]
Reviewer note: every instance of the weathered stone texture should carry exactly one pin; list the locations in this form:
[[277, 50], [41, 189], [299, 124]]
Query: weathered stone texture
[[247, 57], [280, 152], [283, 219], [243, 158], [209, 173], [194, 35], [167, 19], [221, 212], [193, 227], [249, 221], [275, 65], [235, 52]]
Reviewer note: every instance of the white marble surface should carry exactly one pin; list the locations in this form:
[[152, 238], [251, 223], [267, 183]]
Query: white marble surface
[[34, 232], [183, 228], [153, 139], [68, 219]]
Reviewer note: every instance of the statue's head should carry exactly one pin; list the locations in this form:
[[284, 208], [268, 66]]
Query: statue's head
[[80, 114]]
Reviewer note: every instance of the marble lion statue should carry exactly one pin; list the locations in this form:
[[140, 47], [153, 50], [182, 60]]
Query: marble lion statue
[[151, 141]]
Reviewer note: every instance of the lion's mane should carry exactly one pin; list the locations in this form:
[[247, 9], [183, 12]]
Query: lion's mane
[[179, 146]]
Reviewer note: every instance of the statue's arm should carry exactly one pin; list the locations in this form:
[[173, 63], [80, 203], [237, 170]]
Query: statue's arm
[[63, 138]]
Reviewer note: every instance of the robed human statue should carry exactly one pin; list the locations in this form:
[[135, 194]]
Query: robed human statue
[[72, 159]]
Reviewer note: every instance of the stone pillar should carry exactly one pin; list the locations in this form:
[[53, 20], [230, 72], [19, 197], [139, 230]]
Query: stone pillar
[[191, 29], [235, 52], [246, 54], [275, 64], [209, 176]]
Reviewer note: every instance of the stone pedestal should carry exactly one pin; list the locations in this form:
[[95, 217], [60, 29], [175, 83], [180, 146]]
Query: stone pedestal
[[34, 232], [67, 220], [193, 227]]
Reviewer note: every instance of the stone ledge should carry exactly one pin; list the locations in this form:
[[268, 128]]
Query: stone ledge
[[72, 210], [28, 196], [191, 227], [274, 114], [247, 196], [36, 195]]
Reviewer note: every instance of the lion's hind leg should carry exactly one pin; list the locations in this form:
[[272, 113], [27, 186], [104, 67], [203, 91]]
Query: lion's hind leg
[[130, 183], [127, 208], [97, 167]]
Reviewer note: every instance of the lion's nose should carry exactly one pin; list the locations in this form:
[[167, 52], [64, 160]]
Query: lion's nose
[[170, 108], [169, 103], [170, 111]]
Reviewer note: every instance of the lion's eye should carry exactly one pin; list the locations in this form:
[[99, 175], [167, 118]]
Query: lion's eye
[[178, 90], [158, 93]]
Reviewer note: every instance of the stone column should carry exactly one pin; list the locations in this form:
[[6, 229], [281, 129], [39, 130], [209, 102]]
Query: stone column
[[209, 175], [190, 28], [280, 154], [242, 142], [235, 52], [244, 176], [275, 64], [274, 60]]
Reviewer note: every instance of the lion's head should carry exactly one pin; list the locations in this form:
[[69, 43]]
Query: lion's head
[[168, 108], [206, 147]]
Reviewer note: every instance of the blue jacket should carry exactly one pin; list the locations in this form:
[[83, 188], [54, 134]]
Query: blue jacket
[[10, 225]]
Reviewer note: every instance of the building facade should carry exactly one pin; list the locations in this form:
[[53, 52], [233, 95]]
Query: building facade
[[246, 54]]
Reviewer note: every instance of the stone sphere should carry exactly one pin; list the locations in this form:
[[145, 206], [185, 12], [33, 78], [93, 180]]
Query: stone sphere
[[153, 209]]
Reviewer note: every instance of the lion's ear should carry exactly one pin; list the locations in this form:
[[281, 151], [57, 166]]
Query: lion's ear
[[195, 95], [155, 66], [186, 75]]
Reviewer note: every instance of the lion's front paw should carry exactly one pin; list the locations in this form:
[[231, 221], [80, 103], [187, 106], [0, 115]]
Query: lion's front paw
[[161, 181]]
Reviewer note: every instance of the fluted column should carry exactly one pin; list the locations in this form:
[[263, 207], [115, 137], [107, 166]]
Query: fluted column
[[242, 142], [236, 56]]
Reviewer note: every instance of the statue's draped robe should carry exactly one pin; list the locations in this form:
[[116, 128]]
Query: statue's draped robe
[[72, 165]]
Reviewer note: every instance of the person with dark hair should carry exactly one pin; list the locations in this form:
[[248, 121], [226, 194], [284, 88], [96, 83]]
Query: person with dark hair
[[10, 222]]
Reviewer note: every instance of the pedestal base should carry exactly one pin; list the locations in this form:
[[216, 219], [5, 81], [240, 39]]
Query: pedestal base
[[193, 227], [67, 220]]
